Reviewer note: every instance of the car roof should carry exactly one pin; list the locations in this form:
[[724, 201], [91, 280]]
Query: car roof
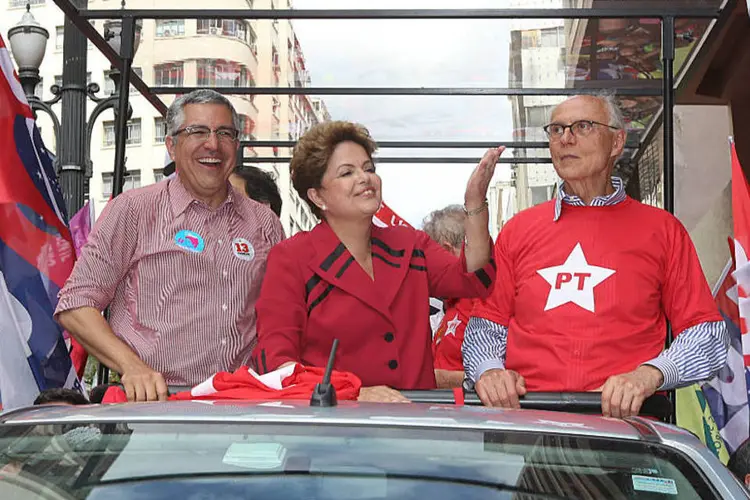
[[345, 413]]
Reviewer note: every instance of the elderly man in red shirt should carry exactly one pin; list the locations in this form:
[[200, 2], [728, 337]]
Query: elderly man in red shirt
[[179, 263], [594, 276]]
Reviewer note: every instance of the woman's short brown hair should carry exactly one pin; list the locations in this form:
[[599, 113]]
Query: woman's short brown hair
[[315, 148]]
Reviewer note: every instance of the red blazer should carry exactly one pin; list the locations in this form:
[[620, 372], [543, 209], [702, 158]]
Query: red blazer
[[314, 292]]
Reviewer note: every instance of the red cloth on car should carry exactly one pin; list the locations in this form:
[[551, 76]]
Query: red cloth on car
[[291, 382]]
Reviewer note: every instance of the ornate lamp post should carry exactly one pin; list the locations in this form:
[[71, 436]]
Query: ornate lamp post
[[28, 43]]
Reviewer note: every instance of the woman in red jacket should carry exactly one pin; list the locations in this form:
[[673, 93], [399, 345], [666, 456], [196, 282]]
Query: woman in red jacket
[[365, 285]]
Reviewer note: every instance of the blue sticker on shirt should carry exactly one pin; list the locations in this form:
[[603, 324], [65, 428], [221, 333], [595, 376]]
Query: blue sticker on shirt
[[190, 241]]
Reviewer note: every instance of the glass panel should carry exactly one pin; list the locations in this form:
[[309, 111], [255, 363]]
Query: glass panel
[[337, 462], [626, 49], [449, 4]]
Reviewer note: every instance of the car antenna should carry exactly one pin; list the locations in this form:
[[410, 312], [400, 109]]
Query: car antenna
[[324, 393]]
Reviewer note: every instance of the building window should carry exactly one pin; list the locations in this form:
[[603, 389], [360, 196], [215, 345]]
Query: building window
[[158, 175], [550, 38], [247, 126], [170, 27], [168, 74], [160, 130], [59, 79], [221, 73], [235, 28], [22, 3], [132, 180], [59, 35], [39, 89], [134, 132], [109, 84], [139, 72]]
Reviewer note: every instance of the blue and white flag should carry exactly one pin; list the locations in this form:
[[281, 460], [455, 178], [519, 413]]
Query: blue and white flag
[[36, 254]]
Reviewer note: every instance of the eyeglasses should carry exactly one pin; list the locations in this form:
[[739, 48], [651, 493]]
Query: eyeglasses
[[202, 134], [580, 128]]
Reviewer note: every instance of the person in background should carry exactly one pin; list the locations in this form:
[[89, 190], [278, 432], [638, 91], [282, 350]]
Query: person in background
[[259, 185], [446, 227], [739, 463], [365, 285], [60, 396]]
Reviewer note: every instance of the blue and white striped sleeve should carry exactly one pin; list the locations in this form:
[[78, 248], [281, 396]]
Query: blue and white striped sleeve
[[695, 355], [484, 347]]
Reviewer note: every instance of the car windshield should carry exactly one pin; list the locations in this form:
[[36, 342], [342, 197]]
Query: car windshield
[[293, 461]]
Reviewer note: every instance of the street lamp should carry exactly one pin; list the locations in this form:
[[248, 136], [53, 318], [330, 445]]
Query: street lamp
[[28, 43]]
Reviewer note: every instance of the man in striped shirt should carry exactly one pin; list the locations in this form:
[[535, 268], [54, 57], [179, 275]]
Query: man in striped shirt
[[587, 282], [179, 263]]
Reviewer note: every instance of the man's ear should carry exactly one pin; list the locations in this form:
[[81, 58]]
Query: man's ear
[[171, 143], [747, 480], [618, 145]]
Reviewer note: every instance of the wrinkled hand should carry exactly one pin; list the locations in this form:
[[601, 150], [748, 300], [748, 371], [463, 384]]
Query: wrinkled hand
[[381, 394], [476, 188], [500, 388], [144, 384], [623, 395]]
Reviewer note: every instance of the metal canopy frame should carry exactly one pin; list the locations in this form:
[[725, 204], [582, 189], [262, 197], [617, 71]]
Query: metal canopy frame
[[665, 11]]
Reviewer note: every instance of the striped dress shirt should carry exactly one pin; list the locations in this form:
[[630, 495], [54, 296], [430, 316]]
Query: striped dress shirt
[[696, 354], [181, 279]]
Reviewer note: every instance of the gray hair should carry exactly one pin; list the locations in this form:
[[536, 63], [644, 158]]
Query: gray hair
[[446, 225], [614, 114], [176, 112], [613, 110]]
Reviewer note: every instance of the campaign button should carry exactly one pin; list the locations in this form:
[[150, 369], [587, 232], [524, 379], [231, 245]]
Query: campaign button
[[190, 241], [243, 249]]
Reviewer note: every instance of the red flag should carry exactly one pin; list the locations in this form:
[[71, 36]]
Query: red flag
[[741, 216], [385, 217], [291, 382]]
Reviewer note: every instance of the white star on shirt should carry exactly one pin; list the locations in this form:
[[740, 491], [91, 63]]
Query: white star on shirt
[[574, 281], [452, 325]]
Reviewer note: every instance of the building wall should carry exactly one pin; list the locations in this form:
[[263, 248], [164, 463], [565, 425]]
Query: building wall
[[703, 175], [273, 117]]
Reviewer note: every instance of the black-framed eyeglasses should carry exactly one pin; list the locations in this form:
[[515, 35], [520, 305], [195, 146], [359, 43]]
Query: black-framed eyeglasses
[[580, 128], [200, 133]]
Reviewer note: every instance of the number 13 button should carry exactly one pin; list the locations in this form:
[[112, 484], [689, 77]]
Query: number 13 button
[[243, 249]]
